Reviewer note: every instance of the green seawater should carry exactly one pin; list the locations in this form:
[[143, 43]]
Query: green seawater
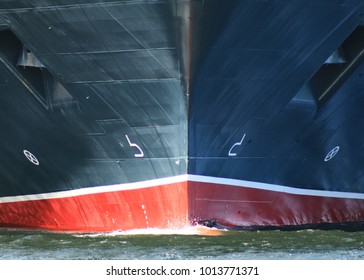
[[183, 245]]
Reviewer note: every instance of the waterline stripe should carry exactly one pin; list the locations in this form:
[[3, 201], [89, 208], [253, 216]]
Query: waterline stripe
[[273, 187], [182, 179], [97, 190]]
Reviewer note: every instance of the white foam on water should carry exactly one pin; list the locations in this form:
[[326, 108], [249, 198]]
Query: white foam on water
[[190, 230]]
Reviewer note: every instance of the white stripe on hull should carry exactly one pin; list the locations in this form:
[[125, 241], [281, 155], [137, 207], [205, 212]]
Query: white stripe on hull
[[181, 179]]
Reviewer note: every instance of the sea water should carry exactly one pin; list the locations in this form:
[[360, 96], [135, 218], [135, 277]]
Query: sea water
[[183, 244]]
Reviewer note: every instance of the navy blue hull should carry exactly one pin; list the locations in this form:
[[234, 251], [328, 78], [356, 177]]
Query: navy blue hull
[[255, 112]]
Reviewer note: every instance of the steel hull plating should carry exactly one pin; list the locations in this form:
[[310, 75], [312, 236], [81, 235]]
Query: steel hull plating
[[247, 205], [118, 115], [108, 208], [178, 202]]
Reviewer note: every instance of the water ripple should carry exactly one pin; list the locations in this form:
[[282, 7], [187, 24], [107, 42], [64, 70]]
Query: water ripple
[[188, 243]]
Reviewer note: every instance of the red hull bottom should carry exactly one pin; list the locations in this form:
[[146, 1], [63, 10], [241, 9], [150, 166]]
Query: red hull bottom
[[177, 205], [163, 206], [240, 207]]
